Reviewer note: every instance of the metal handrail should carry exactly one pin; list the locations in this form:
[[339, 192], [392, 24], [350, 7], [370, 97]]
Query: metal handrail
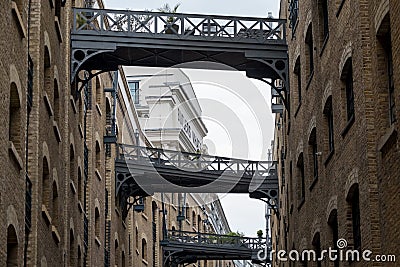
[[217, 240], [184, 26]]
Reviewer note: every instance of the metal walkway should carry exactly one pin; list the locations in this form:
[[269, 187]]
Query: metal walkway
[[143, 171], [182, 247], [102, 40]]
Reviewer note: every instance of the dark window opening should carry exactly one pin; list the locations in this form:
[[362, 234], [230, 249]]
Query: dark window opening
[[347, 77], [333, 224], [310, 50], [134, 88], [317, 248], [355, 215], [297, 72]]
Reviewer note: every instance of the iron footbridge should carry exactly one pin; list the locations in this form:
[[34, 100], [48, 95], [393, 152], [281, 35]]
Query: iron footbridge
[[181, 247]]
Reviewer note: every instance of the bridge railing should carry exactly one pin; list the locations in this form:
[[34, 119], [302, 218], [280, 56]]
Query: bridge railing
[[216, 240], [163, 158], [183, 26]]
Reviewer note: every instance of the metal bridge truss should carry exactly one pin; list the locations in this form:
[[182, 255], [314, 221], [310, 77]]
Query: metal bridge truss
[[143, 171], [102, 40], [182, 247]]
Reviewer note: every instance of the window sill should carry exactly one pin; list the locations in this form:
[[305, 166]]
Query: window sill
[[99, 110], [98, 175], [309, 80], [117, 212], [20, 22], [48, 104], [15, 155], [314, 182], [58, 29], [340, 8], [347, 127], [124, 225], [329, 157], [73, 188], [137, 252], [187, 221], [145, 262], [302, 201], [385, 140], [80, 130], [297, 109], [46, 214], [97, 241], [145, 216], [57, 131], [56, 234], [80, 207], [174, 207], [71, 99], [194, 229], [324, 45]]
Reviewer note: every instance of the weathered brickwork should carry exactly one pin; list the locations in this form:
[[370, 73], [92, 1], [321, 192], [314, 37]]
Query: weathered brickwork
[[364, 155]]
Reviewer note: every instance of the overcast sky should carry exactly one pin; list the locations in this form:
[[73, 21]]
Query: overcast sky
[[249, 101]]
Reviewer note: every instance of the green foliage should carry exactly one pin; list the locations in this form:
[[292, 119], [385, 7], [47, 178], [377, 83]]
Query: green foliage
[[166, 8], [260, 233]]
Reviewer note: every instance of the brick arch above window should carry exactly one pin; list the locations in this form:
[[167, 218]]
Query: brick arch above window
[[346, 55], [326, 95], [381, 13], [352, 179], [332, 205]]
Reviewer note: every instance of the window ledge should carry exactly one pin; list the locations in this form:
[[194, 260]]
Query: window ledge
[[309, 80], [73, 188], [314, 182], [80, 206], [137, 252], [324, 45], [15, 155], [71, 99], [174, 207], [48, 104], [187, 221], [97, 241], [80, 130], [390, 133], [297, 109], [117, 212], [57, 131], [58, 29], [347, 127], [18, 18], [194, 229], [145, 216], [124, 224], [145, 262], [98, 175], [303, 200], [329, 157], [340, 8], [46, 214], [99, 110], [55, 234]]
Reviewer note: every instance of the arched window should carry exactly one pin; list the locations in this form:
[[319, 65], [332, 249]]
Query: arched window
[[297, 73], [354, 201], [45, 183], [56, 101], [79, 257], [193, 219], [12, 247], [334, 226], [98, 91], [72, 163], [198, 223], [347, 79], [317, 248], [309, 51], [47, 81], [80, 186], [14, 123], [97, 222], [55, 205], [313, 154], [72, 257], [117, 255], [144, 249], [98, 156], [136, 238], [301, 180], [328, 114], [323, 19]]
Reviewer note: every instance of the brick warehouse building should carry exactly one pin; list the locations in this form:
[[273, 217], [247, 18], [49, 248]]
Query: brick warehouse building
[[57, 190], [338, 148]]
